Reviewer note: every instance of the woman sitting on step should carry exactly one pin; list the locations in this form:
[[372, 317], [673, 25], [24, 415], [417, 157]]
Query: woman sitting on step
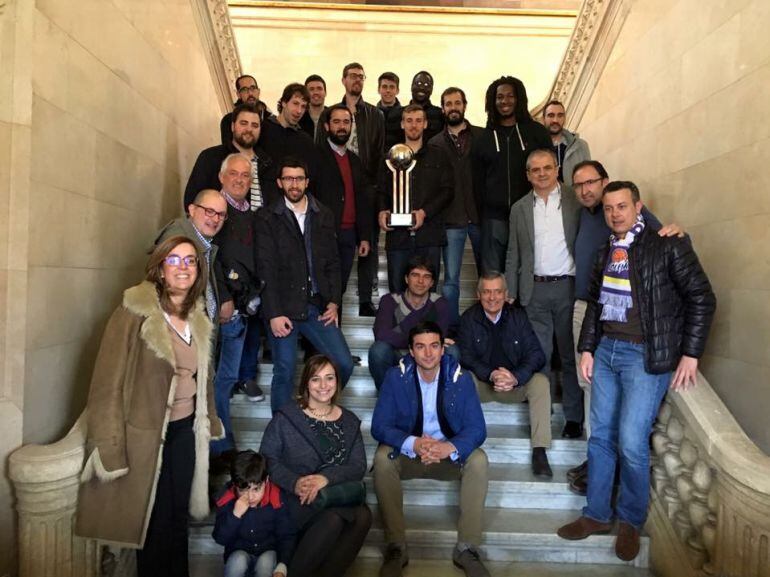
[[151, 415], [316, 453]]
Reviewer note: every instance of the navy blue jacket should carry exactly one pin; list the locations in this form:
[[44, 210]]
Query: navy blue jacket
[[398, 406], [520, 344], [264, 528]]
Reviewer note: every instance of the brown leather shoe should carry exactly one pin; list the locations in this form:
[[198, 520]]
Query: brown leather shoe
[[579, 486], [627, 543], [582, 528]]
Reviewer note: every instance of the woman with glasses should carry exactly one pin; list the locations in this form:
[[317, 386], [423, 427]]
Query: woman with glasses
[[315, 453], [150, 416]]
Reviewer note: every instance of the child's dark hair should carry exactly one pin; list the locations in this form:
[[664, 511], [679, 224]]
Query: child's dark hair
[[248, 468]]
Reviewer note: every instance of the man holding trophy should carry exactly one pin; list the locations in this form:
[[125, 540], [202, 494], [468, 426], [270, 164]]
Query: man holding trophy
[[416, 185]]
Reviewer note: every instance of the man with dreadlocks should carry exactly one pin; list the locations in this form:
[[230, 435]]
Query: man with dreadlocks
[[499, 158]]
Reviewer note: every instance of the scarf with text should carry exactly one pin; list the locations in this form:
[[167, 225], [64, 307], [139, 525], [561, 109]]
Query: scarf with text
[[616, 283]]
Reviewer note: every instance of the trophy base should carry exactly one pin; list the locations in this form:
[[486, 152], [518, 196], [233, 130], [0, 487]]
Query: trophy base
[[398, 220]]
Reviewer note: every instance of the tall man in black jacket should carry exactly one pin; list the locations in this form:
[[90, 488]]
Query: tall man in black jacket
[[345, 190], [649, 312], [432, 189], [298, 260], [499, 163]]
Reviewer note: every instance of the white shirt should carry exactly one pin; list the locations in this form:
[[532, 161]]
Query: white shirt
[[552, 258], [300, 216]]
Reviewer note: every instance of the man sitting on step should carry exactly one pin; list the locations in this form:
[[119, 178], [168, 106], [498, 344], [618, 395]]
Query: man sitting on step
[[399, 312], [498, 345], [429, 423]]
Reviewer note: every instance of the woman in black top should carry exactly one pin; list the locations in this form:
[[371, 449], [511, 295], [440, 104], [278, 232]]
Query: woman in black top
[[312, 444]]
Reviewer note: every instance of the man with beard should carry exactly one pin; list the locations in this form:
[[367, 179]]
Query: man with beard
[[344, 189], [282, 135], [316, 87], [569, 148], [461, 218], [246, 127], [422, 88], [432, 189], [248, 93], [499, 159], [298, 260]]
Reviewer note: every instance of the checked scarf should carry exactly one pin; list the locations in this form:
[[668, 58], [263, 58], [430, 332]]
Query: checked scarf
[[616, 284]]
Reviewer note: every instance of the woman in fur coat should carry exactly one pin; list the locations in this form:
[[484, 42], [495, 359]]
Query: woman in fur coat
[[151, 415]]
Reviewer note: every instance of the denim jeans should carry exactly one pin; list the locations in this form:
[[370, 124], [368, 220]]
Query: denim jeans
[[624, 403], [250, 354], [326, 339], [453, 260], [494, 244], [382, 356], [243, 564], [232, 335]]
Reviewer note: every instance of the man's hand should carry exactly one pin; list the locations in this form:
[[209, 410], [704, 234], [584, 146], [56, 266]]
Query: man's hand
[[672, 229], [503, 380], [419, 219], [329, 316], [226, 310], [685, 374], [439, 451], [586, 366], [422, 445], [281, 326], [241, 505], [382, 218], [307, 487], [364, 248]]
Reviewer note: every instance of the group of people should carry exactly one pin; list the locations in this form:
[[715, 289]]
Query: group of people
[[275, 217]]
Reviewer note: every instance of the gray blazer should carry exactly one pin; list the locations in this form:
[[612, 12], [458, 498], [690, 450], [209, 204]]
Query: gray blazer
[[520, 259]]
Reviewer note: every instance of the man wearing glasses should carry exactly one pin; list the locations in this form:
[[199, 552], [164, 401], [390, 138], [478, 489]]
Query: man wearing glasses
[[297, 259], [248, 93], [540, 271]]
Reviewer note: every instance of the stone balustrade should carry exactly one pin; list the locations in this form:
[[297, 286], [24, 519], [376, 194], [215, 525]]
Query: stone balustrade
[[710, 512]]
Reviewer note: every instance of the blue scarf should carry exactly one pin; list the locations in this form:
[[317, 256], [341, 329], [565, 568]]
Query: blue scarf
[[616, 284]]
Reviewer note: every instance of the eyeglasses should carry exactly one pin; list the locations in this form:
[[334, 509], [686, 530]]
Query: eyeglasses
[[580, 185], [293, 179], [245, 89], [211, 213], [356, 76], [176, 260]]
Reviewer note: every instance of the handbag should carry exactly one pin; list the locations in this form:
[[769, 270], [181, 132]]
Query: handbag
[[347, 494]]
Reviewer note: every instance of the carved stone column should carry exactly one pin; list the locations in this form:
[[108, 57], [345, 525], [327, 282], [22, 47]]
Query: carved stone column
[[46, 479]]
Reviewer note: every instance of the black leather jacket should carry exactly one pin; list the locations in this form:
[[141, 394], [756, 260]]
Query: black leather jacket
[[676, 302]]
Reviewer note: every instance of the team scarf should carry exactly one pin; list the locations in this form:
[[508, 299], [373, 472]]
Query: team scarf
[[616, 284]]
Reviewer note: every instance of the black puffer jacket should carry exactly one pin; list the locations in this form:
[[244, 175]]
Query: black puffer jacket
[[676, 303]]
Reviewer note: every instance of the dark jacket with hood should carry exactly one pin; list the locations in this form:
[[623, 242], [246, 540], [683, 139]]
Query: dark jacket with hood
[[675, 300], [499, 158], [394, 134]]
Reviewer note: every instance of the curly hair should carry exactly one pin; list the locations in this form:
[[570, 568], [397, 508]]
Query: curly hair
[[520, 110]]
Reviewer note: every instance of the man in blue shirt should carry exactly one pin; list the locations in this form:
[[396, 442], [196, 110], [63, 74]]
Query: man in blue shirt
[[429, 423]]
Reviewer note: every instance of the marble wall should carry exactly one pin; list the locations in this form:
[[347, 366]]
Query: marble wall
[[682, 108], [282, 45], [104, 107]]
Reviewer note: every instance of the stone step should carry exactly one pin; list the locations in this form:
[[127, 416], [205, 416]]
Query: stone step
[[520, 535], [212, 566], [504, 443], [467, 269], [363, 407]]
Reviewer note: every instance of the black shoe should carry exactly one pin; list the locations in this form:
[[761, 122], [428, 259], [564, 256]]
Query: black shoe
[[356, 360], [367, 310], [579, 471], [253, 391], [579, 485], [394, 560], [572, 430], [540, 466], [220, 463]]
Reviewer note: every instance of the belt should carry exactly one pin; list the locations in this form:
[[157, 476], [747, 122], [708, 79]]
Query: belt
[[539, 278]]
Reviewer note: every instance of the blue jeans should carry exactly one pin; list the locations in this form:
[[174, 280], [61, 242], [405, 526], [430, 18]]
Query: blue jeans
[[624, 403], [453, 260], [494, 244], [250, 354], [243, 564], [382, 356], [232, 335], [326, 339]]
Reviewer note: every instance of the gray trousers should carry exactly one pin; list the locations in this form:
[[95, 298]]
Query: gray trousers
[[550, 311], [577, 323]]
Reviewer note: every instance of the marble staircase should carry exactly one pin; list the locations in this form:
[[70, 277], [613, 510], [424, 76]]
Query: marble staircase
[[522, 511]]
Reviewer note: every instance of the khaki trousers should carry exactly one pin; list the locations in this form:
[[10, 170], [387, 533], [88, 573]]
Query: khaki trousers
[[578, 315], [538, 392], [473, 476]]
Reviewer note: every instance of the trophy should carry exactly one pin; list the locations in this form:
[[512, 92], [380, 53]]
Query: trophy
[[401, 161]]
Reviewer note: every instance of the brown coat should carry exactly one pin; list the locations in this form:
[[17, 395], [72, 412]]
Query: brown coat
[[128, 408]]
